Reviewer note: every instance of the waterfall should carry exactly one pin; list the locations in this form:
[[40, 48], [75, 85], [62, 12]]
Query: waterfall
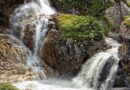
[[91, 73], [31, 19], [96, 74], [29, 23], [45, 6]]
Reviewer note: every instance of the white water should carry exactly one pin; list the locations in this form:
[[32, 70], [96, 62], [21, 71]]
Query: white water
[[33, 14], [87, 79], [90, 73], [49, 85], [91, 70], [45, 7]]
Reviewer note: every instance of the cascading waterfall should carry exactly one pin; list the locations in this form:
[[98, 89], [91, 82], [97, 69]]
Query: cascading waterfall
[[41, 29], [45, 7], [90, 77], [33, 14]]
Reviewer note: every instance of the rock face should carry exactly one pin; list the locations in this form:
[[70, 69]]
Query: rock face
[[6, 9], [106, 69], [117, 12], [13, 60], [123, 73], [66, 56]]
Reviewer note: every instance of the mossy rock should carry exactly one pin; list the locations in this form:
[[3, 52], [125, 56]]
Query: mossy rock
[[127, 21], [7, 86], [79, 27]]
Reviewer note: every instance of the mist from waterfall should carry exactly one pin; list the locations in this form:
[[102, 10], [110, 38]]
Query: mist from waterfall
[[33, 14]]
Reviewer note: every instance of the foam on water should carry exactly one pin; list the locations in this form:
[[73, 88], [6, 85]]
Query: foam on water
[[49, 85], [92, 69]]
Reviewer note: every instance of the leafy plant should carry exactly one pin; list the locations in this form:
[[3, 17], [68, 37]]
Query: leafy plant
[[77, 5], [79, 27], [91, 7]]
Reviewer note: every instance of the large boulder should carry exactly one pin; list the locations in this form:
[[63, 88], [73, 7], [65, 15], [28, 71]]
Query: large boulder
[[109, 65], [116, 12], [65, 56], [13, 59]]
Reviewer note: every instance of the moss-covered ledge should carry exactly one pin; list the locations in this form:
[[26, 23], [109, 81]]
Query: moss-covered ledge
[[7, 86], [79, 28]]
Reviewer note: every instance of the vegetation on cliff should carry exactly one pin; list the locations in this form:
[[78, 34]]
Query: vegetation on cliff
[[79, 27], [91, 7], [7, 86]]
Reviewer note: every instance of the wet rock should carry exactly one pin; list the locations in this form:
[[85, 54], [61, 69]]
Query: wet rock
[[60, 56], [24, 24], [115, 36], [123, 73], [106, 69]]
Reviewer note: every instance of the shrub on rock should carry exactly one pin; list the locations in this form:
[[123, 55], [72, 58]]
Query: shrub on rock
[[79, 27]]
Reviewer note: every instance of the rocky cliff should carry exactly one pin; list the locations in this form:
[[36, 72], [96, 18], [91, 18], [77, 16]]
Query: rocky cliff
[[6, 9], [123, 73], [13, 60], [66, 56]]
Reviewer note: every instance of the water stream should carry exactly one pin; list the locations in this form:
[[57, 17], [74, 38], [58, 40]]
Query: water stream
[[105, 63], [32, 17], [88, 78], [91, 75]]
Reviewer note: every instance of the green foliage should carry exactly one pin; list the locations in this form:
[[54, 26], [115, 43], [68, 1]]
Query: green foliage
[[127, 21], [77, 5], [115, 27], [92, 7], [98, 6], [6, 86], [79, 27], [106, 25]]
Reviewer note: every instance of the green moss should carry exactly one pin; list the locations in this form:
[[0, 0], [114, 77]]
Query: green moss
[[83, 7], [127, 21], [7, 86], [98, 6], [79, 27], [114, 27], [106, 25], [77, 5]]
